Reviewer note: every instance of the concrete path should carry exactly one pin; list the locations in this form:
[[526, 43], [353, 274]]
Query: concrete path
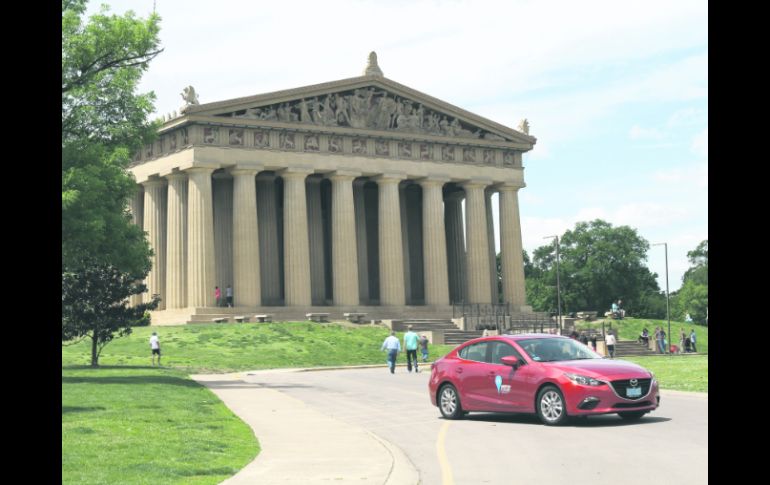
[[302, 446]]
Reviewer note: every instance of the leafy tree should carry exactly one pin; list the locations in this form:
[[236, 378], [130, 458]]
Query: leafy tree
[[699, 259], [692, 297], [95, 305], [599, 264], [103, 122]]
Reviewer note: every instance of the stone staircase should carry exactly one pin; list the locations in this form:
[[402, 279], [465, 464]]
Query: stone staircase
[[628, 348], [452, 334]]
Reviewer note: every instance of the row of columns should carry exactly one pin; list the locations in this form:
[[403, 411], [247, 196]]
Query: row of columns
[[178, 216]]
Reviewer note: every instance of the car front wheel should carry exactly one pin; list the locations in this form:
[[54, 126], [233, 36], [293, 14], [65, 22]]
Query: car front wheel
[[449, 402], [551, 408]]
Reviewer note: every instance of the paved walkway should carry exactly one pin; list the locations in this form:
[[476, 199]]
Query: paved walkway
[[302, 446]]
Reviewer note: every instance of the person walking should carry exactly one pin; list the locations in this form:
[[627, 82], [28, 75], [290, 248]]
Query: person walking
[[229, 296], [393, 346], [218, 295], [424, 347], [692, 340], [659, 340], [593, 341], [610, 340], [155, 347], [410, 344]]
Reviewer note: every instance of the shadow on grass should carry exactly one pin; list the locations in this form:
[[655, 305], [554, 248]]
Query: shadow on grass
[[81, 409], [130, 380]]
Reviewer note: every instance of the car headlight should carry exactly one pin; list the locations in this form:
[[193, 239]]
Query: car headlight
[[583, 380]]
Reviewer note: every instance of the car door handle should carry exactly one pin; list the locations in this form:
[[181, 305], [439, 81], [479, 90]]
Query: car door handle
[[459, 370]]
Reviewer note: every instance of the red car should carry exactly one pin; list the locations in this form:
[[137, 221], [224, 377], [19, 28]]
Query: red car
[[553, 376]]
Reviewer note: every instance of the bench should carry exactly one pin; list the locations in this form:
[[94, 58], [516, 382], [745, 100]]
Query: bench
[[241, 319], [354, 317], [587, 316], [317, 317], [264, 318], [219, 320]]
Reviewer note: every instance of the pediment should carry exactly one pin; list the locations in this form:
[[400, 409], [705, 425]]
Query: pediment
[[364, 103]]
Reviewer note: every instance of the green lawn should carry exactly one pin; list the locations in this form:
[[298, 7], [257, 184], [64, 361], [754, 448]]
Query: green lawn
[[135, 425], [631, 328], [247, 346], [678, 372]]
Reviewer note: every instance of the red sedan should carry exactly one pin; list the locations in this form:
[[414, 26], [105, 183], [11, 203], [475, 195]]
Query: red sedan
[[553, 376]]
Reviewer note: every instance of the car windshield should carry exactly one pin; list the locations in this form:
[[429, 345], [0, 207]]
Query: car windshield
[[556, 349]]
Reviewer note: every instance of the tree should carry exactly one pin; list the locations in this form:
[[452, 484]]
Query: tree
[[692, 297], [599, 264], [103, 122], [95, 305]]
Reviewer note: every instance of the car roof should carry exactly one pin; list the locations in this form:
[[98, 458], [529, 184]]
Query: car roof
[[515, 337]]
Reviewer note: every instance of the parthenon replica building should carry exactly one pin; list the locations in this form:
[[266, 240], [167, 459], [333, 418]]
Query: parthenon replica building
[[336, 197]]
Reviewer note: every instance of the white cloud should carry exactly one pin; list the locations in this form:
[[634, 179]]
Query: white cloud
[[691, 175], [638, 133]]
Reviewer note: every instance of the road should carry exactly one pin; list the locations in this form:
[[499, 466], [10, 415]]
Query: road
[[669, 445]]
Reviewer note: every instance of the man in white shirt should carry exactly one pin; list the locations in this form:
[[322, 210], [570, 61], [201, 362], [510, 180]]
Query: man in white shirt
[[155, 346], [393, 346], [610, 340]]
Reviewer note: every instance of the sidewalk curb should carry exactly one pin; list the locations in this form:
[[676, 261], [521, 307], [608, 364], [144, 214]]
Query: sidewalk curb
[[403, 470]]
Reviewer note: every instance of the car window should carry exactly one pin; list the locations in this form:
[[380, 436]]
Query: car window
[[477, 352], [500, 350]]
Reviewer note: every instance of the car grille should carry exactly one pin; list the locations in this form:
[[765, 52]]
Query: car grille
[[621, 386]]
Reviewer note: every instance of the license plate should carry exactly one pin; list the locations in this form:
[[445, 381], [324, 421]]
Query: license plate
[[634, 392]]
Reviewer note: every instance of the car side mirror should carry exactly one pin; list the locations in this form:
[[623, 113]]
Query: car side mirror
[[514, 362]]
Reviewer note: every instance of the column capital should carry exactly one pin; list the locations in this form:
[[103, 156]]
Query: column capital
[[154, 183], [176, 176], [389, 178], [510, 187], [296, 172], [433, 180], [475, 183], [198, 170], [245, 171], [344, 175]]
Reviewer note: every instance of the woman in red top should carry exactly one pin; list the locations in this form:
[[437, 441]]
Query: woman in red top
[[217, 294]]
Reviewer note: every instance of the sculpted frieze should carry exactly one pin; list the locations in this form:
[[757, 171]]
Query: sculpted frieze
[[366, 108]]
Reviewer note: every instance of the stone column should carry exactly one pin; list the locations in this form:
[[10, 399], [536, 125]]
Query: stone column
[[200, 238], [136, 207], [295, 239], [511, 247], [344, 244], [223, 230], [316, 235], [270, 262], [392, 290], [491, 243], [176, 260], [455, 235], [246, 285], [405, 243], [434, 243], [363, 270], [478, 248], [155, 226]]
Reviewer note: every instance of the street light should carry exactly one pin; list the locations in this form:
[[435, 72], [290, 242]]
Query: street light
[[558, 285], [668, 314]]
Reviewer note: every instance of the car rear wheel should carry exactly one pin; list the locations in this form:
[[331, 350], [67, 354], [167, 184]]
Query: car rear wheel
[[449, 402], [632, 415], [551, 408]]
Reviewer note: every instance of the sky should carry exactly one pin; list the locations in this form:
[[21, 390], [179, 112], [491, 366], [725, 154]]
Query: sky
[[616, 93]]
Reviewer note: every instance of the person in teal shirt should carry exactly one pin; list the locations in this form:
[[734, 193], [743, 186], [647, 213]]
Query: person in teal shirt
[[410, 343]]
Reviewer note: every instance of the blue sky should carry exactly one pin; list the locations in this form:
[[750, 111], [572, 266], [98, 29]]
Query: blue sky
[[615, 92]]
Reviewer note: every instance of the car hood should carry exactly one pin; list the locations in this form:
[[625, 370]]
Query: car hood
[[600, 367]]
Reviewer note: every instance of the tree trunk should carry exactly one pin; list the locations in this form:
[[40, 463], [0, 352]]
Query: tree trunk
[[94, 355]]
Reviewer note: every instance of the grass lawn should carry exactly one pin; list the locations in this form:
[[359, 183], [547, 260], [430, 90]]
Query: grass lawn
[[133, 425], [248, 346], [678, 372], [631, 328]]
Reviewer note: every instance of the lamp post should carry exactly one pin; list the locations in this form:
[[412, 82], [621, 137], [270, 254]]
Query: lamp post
[[668, 313], [558, 285]]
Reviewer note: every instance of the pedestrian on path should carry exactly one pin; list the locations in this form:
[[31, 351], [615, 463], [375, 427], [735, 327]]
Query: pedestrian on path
[[229, 295], [155, 347], [692, 340], [424, 347], [392, 346], [610, 339], [410, 344], [218, 295]]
